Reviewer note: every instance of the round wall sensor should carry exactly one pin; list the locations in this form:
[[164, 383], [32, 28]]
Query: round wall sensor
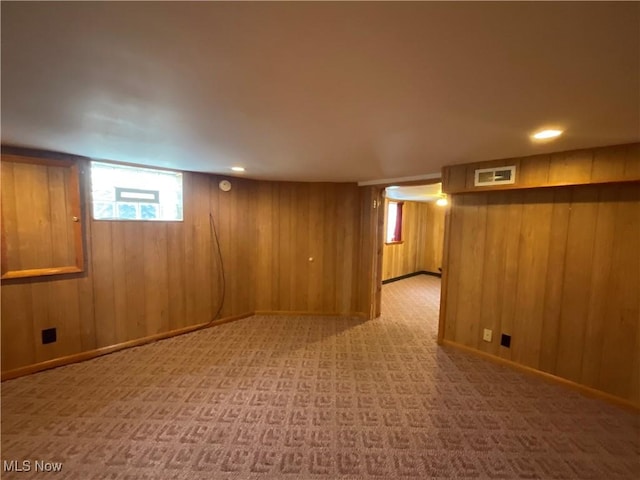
[[225, 185]]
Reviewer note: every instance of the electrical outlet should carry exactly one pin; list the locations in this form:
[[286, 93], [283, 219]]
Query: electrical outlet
[[487, 335], [49, 335]]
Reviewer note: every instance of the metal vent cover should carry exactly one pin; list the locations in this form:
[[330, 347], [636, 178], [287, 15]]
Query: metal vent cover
[[485, 177]]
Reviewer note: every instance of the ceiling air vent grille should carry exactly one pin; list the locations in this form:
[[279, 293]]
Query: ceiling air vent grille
[[485, 177]]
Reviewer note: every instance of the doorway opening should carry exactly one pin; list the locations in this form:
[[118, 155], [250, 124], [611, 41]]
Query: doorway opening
[[410, 234], [413, 231]]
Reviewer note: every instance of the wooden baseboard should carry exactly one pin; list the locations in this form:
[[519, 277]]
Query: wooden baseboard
[[224, 320], [409, 275], [302, 313], [88, 355], [589, 391], [82, 356]]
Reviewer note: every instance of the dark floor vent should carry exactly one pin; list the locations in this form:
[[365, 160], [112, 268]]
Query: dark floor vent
[[49, 335]]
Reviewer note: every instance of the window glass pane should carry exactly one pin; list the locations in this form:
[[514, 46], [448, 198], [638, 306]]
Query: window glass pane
[[105, 194], [148, 212], [131, 193], [392, 212], [103, 210], [127, 211]]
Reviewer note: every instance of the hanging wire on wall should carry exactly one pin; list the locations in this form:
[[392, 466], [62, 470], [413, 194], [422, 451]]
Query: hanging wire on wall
[[216, 247]]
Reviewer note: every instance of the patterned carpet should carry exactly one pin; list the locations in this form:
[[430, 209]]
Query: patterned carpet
[[312, 398]]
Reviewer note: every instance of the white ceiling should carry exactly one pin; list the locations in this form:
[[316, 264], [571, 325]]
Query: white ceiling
[[335, 91], [414, 193]]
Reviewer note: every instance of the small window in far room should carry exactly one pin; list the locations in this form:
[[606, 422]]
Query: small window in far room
[[120, 192], [394, 222]]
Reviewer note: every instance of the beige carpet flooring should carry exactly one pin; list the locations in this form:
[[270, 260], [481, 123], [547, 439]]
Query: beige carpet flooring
[[312, 398]]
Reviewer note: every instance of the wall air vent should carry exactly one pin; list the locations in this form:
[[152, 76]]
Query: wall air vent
[[486, 177]]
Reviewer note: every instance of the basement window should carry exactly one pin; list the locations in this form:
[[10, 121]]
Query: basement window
[[122, 192], [394, 222]]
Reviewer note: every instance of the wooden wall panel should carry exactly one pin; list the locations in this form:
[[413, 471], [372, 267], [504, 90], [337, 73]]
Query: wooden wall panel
[[132, 248], [493, 273], [148, 278], [103, 273], [36, 200], [316, 231], [33, 212], [576, 283], [532, 261], [84, 282], [177, 274], [534, 170], [18, 332], [9, 207], [558, 270], [297, 222], [618, 371], [267, 272], [572, 167], [142, 278], [64, 312], [199, 291], [511, 248], [302, 270], [120, 283], [450, 292], [619, 163], [62, 242], [559, 220], [344, 248], [369, 263], [470, 280], [39, 204], [156, 278], [431, 238], [597, 305], [422, 245], [328, 204], [245, 228], [282, 216]]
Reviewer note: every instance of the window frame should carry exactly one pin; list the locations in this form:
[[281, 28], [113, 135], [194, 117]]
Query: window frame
[[399, 223], [133, 189]]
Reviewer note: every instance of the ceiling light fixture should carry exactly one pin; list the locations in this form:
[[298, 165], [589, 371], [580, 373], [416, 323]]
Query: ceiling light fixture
[[442, 201], [547, 134], [237, 169]]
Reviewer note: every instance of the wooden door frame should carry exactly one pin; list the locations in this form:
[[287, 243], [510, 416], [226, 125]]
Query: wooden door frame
[[368, 290], [375, 228], [444, 279]]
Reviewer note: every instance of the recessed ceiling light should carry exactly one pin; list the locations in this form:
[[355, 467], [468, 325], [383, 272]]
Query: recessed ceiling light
[[237, 169], [547, 134]]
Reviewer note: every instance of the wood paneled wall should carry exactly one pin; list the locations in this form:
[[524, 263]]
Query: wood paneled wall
[[307, 239], [153, 277], [618, 163], [422, 238], [369, 296], [558, 269], [141, 279], [41, 234], [431, 238], [147, 278]]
